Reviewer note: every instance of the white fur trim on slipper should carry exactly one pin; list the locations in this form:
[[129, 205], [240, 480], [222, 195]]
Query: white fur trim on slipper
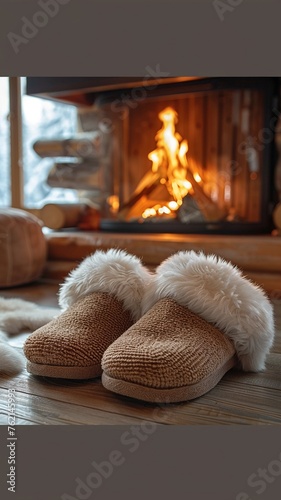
[[218, 292], [115, 272]]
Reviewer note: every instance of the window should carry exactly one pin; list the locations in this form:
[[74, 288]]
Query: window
[[43, 119], [37, 119], [5, 198]]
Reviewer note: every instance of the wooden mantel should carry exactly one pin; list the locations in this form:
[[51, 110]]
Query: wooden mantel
[[258, 256]]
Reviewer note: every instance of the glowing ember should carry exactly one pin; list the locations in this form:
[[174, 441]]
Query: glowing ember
[[158, 210], [197, 177], [113, 202]]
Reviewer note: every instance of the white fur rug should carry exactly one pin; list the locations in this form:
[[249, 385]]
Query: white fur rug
[[18, 315]]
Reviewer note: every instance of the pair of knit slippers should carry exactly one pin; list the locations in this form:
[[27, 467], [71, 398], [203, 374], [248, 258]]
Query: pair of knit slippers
[[167, 336]]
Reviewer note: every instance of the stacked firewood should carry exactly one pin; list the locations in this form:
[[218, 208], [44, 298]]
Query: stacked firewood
[[79, 160], [82, 163]]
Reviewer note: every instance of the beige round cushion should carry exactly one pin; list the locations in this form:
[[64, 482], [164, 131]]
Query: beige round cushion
[[23, 248]]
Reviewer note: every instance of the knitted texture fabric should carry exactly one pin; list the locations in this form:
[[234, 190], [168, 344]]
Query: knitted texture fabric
[[80, 335], [168, 347]]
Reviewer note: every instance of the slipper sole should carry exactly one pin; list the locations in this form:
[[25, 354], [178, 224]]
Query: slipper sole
[[171, 395]]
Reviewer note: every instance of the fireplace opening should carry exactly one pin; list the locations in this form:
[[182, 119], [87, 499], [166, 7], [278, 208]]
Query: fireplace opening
[[172, 188], [181, 157]]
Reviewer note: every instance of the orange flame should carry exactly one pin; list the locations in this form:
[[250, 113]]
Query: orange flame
[[169, 158]]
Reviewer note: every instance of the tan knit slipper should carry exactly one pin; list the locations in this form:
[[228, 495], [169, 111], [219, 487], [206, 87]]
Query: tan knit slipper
[[100, 299], [201, 318]]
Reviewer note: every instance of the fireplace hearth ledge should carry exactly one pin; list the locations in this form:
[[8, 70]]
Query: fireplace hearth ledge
[[259, 257]]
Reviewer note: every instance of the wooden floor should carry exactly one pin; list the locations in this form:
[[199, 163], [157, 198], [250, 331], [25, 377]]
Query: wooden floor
[[238, 398]]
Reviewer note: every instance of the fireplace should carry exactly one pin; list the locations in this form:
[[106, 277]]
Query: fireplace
[[176, 156]]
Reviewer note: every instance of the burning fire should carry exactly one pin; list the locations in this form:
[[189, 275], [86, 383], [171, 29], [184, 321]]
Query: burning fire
[[170, 161], [170, 169]]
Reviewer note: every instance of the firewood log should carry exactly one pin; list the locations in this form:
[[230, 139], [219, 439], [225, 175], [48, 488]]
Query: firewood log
[[146, 186], [84, 145], [78, 175]]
